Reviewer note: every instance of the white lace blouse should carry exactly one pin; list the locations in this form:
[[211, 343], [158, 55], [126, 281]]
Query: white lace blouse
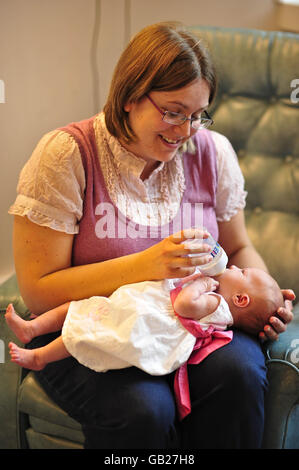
[[51, 186]]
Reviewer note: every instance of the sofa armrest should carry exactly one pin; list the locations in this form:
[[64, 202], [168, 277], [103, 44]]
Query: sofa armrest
[[282, 400], [9, 293], [10, 373]]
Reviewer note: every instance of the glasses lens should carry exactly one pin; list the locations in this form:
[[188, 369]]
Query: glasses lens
[[201, 123], [174, 118], [179, 119]]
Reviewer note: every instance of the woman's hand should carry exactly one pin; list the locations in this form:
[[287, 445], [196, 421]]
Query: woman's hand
[[279, 322], [168, 258]]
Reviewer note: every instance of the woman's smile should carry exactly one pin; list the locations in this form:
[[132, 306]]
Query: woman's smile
[[157, 140], [172, 143]]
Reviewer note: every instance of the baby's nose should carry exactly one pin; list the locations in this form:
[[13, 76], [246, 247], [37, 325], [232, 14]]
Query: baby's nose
[[233, 267]]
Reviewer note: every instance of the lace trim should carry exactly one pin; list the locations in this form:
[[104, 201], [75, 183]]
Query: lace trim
[[40, 219], [171, 175], [232, 209]]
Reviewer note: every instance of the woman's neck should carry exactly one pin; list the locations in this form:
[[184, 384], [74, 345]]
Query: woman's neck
[[150, 165], [148, 169]]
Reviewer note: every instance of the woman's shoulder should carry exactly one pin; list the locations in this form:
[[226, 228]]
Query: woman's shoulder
[[61, 142], [56, 145], [204, 138], [51, 184], [56, 158], [221, 142]]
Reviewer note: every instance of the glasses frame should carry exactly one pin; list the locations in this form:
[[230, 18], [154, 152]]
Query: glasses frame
[[209, 121]]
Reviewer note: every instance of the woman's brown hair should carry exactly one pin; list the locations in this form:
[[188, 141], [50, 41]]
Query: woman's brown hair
[[161, 57]]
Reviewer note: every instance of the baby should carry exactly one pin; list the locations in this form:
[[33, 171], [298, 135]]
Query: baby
[[157, 326], [146, 324]]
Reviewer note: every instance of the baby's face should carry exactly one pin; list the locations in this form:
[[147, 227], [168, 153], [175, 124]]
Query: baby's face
[[240, 280]]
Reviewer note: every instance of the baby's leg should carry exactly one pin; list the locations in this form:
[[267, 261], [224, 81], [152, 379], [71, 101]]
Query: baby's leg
[[21, 328], [37, 359], [48, 322]]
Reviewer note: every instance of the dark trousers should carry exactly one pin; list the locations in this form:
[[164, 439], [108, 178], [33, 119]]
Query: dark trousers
[[129, 409]]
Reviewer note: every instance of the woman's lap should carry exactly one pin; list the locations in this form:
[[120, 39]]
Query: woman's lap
[[227, 395], [130, 409], [124, 408]]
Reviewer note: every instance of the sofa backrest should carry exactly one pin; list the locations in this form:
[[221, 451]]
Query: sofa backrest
[[257, 108]]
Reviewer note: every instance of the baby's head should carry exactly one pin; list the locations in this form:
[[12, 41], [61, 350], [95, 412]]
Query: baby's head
[[252, 295]]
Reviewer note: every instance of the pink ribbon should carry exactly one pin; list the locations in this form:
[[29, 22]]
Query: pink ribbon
[[207, 341]]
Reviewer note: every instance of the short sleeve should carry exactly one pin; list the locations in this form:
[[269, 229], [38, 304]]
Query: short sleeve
[[51, 185], [230, 196]]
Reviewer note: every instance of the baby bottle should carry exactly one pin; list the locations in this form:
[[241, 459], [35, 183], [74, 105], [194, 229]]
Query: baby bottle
[[218, 264]]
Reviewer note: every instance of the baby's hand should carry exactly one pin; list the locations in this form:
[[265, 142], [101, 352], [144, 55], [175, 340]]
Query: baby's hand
[[202, 284], [210, 284]]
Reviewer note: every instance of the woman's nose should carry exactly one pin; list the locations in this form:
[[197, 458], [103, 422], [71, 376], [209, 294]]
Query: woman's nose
[[184, 129]]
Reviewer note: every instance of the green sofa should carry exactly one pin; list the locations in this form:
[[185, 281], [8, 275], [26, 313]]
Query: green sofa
[[256, 111]]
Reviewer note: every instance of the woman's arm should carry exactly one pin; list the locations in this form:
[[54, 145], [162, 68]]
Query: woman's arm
[[233, 237], [235, 241], [46, 278]]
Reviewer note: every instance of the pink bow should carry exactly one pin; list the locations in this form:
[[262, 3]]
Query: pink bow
[[207, 341]]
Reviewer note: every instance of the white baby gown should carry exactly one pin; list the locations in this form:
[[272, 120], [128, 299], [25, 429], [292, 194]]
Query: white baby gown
[[135, 326]]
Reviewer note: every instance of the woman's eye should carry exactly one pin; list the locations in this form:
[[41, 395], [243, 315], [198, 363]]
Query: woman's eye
[[172, 113]]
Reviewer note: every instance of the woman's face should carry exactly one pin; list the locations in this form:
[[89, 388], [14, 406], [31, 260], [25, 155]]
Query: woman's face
[[152, 131]]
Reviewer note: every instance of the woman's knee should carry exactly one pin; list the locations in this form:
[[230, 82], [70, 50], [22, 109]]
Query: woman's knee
[[140, 414], [227, 396], [245, 364], [233, 372]]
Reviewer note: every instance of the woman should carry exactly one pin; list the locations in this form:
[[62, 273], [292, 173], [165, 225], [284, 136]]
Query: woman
[[97, 208]]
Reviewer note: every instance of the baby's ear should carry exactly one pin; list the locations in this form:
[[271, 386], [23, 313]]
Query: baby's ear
[[241, 300]]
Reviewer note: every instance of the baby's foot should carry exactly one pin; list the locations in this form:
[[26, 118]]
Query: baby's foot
[[21, 328], [28, 358]]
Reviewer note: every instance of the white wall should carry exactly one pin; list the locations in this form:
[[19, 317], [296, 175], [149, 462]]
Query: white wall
[[56, 61]]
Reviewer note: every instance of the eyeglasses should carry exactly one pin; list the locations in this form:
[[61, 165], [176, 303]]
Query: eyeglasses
[[177, 119]]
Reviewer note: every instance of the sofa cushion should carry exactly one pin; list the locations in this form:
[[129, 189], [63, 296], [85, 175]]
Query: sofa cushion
[[38, 440], [255, 111], [44, 415]]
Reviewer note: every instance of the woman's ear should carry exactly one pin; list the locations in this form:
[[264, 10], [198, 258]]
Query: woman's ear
[[127, 106], [241, 300]]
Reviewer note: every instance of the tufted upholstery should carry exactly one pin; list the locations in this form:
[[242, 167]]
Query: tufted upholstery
[[253, 109]]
